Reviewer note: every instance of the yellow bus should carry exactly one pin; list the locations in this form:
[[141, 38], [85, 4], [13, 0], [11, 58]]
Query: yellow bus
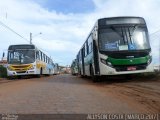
[[27, 59]]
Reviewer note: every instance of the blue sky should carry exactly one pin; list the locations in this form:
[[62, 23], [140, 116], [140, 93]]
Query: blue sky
[[67, 6], [65, 24]]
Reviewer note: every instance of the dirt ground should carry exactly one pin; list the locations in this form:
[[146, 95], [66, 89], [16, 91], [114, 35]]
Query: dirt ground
[[73, 94], [140, 91]]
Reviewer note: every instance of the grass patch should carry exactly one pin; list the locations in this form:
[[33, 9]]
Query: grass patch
[[3, 72]]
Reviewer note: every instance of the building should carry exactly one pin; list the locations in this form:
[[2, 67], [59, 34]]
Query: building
[[3, 62]]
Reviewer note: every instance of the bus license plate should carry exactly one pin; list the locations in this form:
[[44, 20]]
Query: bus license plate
[[131, 68]]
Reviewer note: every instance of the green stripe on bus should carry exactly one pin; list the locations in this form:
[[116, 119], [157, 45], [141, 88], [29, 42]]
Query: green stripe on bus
[[130, 61]]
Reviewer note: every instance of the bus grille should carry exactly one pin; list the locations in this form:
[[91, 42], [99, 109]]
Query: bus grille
[[21, 71], [120, 68], [20, 68]]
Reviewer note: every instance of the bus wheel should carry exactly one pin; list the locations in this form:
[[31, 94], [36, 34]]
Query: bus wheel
[[38, 76], [94, 78], [81, 75], [41, 71], [9, 77], [19, 77]]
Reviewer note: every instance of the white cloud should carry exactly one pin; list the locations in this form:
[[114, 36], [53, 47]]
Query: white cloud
[[57, 45], [67, 32]]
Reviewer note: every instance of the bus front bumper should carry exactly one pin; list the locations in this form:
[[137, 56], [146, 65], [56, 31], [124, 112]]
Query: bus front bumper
[[106, 70], [14, 73]]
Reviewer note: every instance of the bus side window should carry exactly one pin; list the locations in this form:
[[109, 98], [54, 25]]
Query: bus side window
[[83, 51], [37, 55], [80, 55], [86, 49], [48, 60], [44, 57], [40, 55], [90, 46]]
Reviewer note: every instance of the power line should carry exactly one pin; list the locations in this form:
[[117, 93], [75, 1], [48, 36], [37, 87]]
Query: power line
[[19, 34], [13, 31]]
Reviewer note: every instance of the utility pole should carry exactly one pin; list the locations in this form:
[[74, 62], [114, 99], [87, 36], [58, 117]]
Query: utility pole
[[159, 56], [30, 38]]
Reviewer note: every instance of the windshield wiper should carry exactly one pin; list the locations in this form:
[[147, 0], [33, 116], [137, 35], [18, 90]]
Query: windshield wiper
[[133, 29], [131, 32], [121, 35], [116, 31]]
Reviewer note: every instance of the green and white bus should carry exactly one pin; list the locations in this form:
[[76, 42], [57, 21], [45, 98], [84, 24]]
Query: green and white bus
[[74, 67], [56, 69], [26, 59], [116, 46]]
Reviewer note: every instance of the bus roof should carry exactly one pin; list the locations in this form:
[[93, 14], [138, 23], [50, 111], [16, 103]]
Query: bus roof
[[121, 20], [21, 46]]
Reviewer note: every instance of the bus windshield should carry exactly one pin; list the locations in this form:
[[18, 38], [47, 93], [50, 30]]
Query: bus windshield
[[21, 56], [120, 38]]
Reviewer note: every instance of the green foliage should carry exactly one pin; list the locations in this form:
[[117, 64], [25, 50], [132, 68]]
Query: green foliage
[[3, 72]]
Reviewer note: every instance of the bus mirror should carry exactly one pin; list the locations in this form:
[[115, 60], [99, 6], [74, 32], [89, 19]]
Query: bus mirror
[[94, 36]]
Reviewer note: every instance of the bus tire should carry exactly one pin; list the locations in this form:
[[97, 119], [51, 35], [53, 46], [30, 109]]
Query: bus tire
[[19, 77], [38, 75], [93, 76], [9, 77], [81, 75], [41, 71]]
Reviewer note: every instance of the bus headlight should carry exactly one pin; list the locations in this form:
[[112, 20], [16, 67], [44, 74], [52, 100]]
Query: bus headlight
[[109, 64], [103, 61], [106, 62], [9, 68], [32, 67], [149, 60]]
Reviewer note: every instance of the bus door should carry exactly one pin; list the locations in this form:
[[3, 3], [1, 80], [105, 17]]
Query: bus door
[[95, 57]]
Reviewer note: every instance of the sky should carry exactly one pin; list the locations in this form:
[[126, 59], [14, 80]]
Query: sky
[[65, 24]]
